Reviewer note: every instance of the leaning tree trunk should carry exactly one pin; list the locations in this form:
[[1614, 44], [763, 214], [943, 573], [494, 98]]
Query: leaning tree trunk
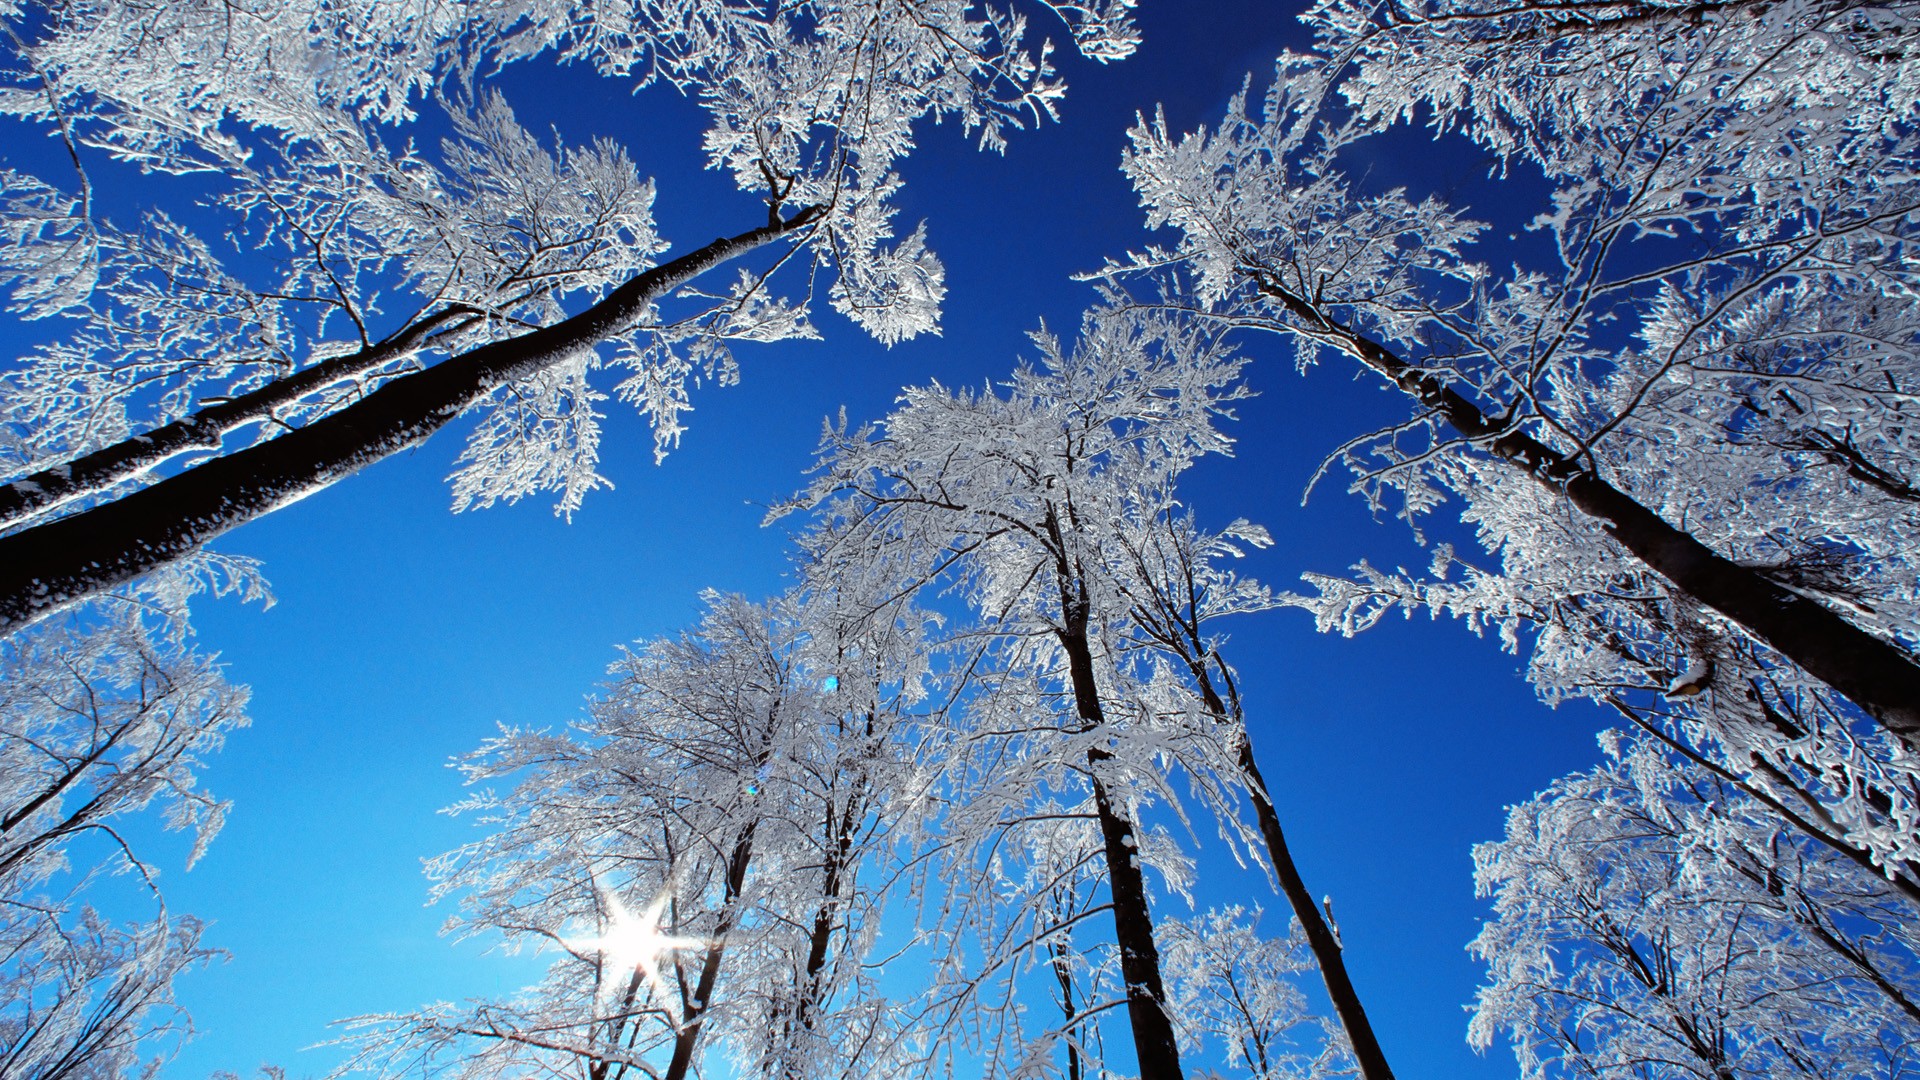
[[694, 1009], [1328, 951], [49, 566], [1875, 674], [1153, 1039], [1173, 624], [207, 428]]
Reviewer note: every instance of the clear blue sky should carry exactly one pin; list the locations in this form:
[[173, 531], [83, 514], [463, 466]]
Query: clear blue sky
[[404, 633]]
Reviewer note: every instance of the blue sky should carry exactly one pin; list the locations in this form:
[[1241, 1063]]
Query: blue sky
[[403, 633]]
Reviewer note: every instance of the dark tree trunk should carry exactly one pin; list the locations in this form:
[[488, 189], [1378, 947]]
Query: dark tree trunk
[[67, 560], [1328, 952], [1168, 613], [1875, 674], [205, 429], [1153, 1039], [841, 830], [687, 1039], [1063, 973], [806, 1008]]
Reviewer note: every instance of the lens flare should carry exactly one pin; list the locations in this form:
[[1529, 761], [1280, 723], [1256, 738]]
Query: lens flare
[[630, 942]]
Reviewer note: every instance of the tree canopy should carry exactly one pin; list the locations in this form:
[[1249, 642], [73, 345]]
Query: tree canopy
[[975, 788]]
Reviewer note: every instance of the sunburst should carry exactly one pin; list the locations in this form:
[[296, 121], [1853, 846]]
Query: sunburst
[[634, 943]]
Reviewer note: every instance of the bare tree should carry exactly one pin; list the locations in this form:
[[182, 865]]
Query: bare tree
[[811, 106], [1706, 369], [695, 852], [105, 713]]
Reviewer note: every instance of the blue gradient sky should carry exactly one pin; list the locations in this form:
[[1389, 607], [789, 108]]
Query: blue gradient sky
[[403, 633]]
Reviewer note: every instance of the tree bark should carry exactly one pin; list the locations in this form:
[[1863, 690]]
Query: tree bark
[[687, 1039], [1173, 623], [1154, 1043], [841, 828], [1328, 951], [1063, 974], [49, 566], [1321, 938], [1878, 676], [95, 472]]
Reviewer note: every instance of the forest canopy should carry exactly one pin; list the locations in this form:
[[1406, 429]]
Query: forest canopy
[[976, 729]]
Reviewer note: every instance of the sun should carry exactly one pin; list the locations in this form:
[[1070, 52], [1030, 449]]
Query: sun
[[632, 942]]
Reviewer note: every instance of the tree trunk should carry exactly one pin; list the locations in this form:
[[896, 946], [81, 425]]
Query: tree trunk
[[1874, 674], [205, 429], [1172, 621], [1328, 952], [1153, 1039], [687, 1039], [1063, 974], [810, 992], [49, 566]]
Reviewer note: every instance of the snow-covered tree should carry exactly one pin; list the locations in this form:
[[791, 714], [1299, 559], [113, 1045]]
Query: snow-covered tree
[[1170, 572], [1237, 989], [510, 271], [1716, 699], [693, 853], [106, 712], [1024, 503], [1696, 415], [84, 997], [1653, 919], [1021, 973], [1074, 476], [1683, 439]]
